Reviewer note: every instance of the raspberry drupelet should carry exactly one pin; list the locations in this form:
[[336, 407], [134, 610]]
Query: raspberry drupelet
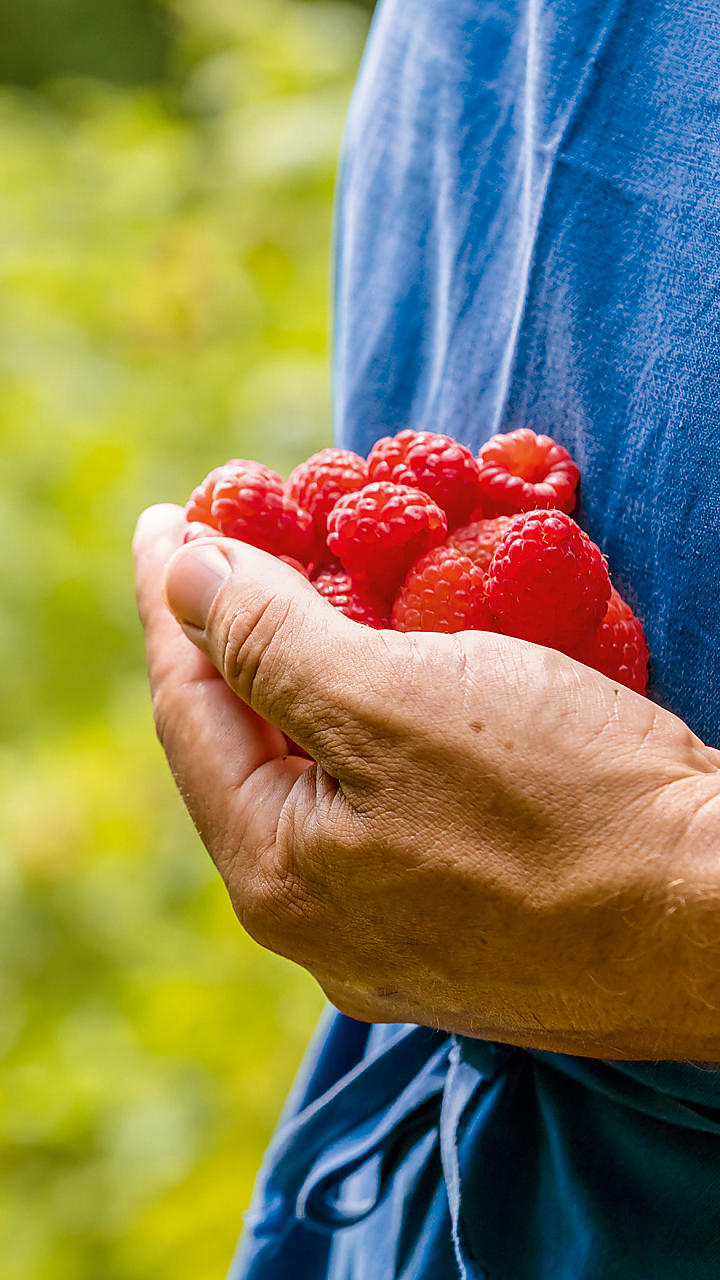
[[522, 471]]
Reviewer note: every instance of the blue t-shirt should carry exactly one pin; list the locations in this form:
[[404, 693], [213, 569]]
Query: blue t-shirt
[[529, 235]]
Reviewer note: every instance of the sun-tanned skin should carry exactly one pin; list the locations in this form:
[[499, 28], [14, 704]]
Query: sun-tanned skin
[[496, 840]]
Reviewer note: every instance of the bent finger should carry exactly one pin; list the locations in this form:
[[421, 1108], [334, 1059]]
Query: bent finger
[[327, 682], [214, 742]]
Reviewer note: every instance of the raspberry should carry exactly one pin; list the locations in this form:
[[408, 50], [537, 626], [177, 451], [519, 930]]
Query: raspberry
[[618, 647], [479, 539], [523, 472], [248, 501], [350, 599], [548, 582], [329, 566], [378, 532], [437, 464], [316, 485], [444, 591], [199, 505]]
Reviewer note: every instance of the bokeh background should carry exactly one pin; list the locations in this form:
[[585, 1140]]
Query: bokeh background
[[167, 172]]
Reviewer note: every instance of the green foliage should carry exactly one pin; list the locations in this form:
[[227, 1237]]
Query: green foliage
[[165, 281], [125, 40]]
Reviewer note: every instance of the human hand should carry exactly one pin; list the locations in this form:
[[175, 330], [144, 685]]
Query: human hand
[[495, 840]]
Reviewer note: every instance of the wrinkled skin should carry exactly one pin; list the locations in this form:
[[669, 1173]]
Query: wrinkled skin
[[495, 840]]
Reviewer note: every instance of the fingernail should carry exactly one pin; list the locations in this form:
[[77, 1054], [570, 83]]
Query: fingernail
[[192, 581]]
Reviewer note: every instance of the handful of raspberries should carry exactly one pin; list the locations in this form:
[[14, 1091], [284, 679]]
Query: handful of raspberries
[[423, 536]]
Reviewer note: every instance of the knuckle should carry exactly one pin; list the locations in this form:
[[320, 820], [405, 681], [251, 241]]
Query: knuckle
[[164, 712], [276, 911], [251, 651]]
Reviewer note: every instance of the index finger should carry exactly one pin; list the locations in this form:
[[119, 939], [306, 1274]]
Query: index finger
[[214, 743], [158, 535]]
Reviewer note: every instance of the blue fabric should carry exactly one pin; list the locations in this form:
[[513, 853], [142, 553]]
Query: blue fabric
[[529, 235]]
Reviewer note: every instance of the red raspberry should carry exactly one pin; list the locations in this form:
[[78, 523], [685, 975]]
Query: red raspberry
[[248, 501], [618, 647], [355, 603], [380, 531], [444, 591], [434, 463], [199, 505], [523, 472], [329, 566], [548, 582], [479, 539], [316, 485]]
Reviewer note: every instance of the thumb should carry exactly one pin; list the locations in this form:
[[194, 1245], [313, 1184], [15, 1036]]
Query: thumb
[[291, 656]]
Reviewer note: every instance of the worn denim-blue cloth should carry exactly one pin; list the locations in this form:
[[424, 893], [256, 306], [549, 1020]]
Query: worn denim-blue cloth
[[528, 234]]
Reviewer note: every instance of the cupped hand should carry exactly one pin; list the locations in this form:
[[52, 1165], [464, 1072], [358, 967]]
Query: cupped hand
[[495, 840]]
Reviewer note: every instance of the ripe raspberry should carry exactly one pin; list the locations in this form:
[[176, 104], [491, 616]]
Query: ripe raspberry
[[199, 505], [378, 532], [346, 596], [479, 539], [521, 471], [444, 591], [329, 566], [618, 647], [437, 464], [548, 582], [316, 485], [248, 501]]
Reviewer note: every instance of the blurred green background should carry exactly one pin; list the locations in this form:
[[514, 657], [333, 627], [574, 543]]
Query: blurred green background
[[165, 213]]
